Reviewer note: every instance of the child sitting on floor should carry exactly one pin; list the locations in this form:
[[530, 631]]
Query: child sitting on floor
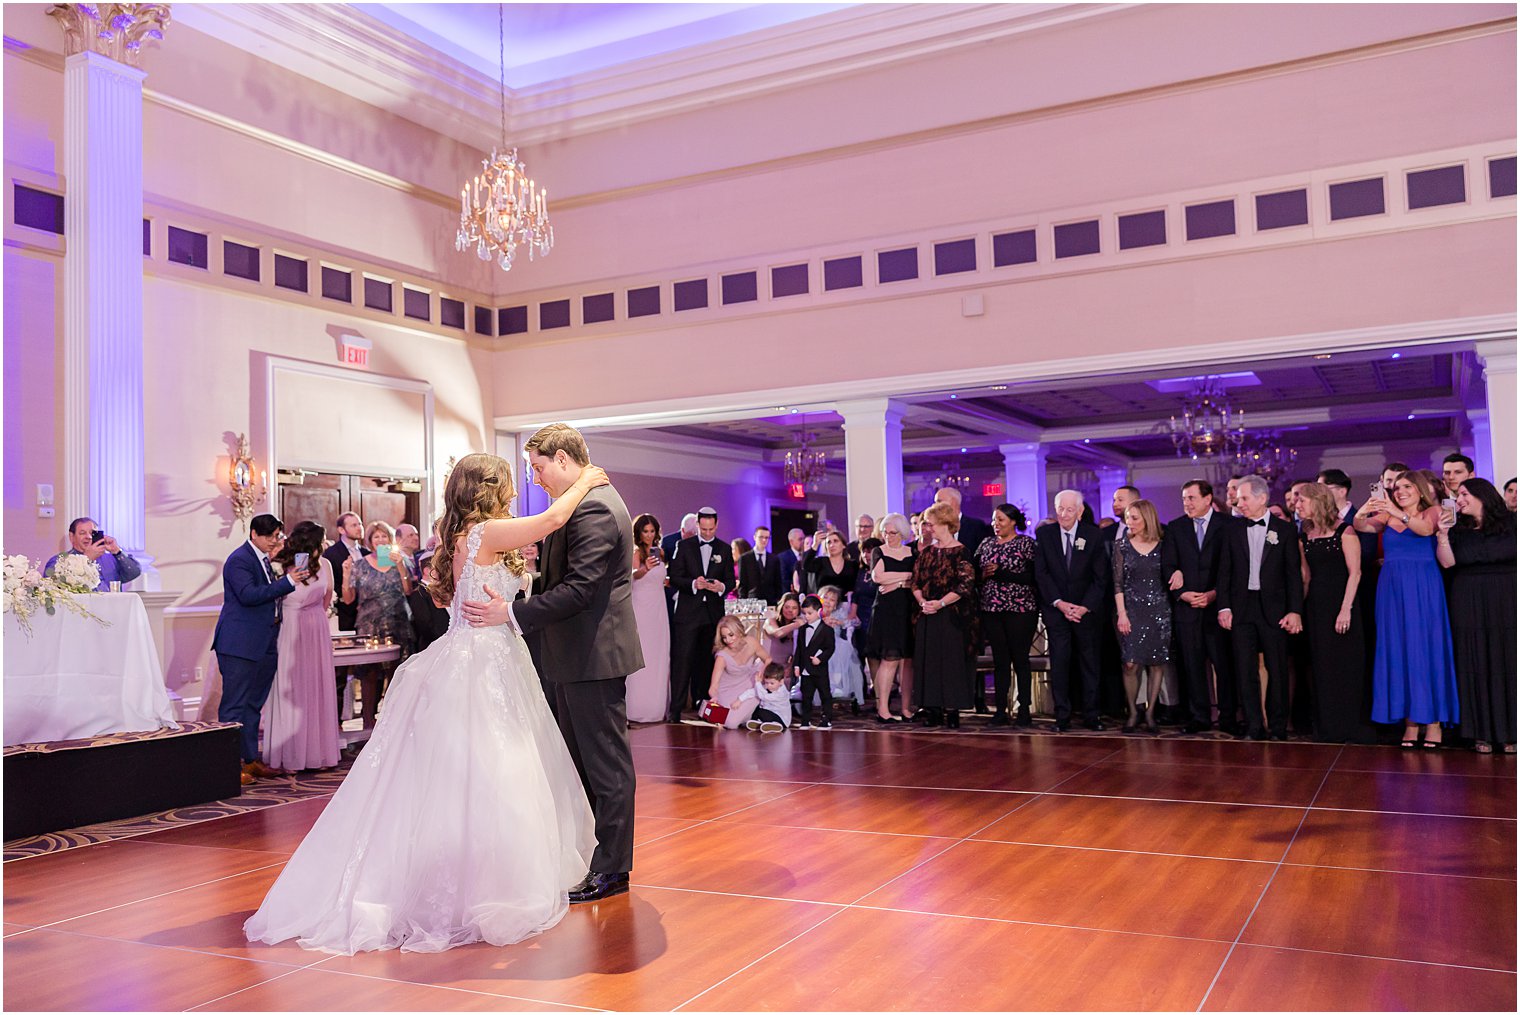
[[773, 714]]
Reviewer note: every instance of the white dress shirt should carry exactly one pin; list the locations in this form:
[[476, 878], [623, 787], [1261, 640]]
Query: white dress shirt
[[1256, 539]]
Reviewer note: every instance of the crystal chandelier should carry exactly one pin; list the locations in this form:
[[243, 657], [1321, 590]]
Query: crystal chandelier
[[502, 207], [1209, 427], [950, 478], [1265, 456], [804, 464]]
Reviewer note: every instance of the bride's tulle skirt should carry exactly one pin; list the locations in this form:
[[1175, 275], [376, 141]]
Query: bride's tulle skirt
[[462, 820]]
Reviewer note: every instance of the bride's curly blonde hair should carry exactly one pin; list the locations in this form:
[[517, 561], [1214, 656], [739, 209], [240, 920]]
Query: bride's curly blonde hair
[[479, 488]]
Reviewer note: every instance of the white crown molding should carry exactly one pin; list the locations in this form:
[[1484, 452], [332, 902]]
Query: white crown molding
[[347, 49]]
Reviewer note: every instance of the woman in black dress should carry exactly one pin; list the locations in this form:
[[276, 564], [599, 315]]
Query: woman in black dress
[[944, 584], [889, 638], [1340, 702], [1143, 613], [1478, 545], [1010, 614], [830, 566]]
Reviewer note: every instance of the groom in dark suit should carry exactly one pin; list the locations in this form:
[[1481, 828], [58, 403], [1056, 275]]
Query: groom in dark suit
[[589, 643], [1261, 602], [248, 634]]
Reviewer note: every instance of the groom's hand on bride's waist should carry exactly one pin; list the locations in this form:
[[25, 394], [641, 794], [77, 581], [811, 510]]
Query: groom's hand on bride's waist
[[490, 613]]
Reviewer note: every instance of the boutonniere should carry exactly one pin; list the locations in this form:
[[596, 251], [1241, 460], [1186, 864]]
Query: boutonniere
[[1081, 543], [1271, 537]]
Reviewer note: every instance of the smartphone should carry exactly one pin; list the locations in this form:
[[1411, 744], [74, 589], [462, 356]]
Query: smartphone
[[301, 560], [1377, 488], [654, 553], [383, 555], [97, 536]]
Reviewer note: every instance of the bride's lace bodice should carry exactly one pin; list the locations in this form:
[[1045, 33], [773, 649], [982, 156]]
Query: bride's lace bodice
[[474, 578]]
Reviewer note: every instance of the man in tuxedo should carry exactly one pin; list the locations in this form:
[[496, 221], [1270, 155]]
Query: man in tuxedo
[[791, 560], [760, 570], [865, 526], [702, 573], [247, 635], [972, 530], [1190, 555], [1071, 568], [350, 544], [812, 646], [589, 641], [1111, 696], [668, 544], [1261, 602]]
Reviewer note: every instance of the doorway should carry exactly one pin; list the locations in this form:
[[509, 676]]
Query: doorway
[[321, 497], [784, 519]]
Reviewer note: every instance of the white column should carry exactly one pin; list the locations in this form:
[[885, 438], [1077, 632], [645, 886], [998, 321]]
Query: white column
[[103, 298], [1110, 478], [1498, 359], [872, 457], [1481, 449], [1024, 464]]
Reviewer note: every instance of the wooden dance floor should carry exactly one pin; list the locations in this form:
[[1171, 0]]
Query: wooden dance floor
[[861, 870]]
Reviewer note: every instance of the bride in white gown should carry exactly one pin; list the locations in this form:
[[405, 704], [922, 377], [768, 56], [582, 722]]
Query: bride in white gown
[[464, 818]]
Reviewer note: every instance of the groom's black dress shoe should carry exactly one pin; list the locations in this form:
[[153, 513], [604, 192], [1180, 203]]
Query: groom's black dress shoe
[[599, 886]]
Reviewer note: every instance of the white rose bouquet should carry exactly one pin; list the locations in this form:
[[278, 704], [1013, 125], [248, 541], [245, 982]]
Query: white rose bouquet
[[26, 590]]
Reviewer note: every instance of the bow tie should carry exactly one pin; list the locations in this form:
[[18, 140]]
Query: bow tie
[[704, 542], [1260, 521]]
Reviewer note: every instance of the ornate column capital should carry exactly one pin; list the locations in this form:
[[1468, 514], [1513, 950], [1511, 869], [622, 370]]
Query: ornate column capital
[[117, 31]]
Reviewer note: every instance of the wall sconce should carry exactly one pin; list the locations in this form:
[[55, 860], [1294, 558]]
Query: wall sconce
[[240, 478]]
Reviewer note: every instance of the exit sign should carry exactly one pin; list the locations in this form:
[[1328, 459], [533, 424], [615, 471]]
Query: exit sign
[[992, 489], [796, 491], [353, 351]]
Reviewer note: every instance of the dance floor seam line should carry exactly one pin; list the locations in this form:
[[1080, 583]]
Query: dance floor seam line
[[440, 986], [234, 993], [1039, 923], [160, 895], [1268, 886]]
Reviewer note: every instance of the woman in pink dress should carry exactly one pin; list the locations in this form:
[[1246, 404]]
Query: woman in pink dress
[[301, 716], [738, 660], [649, 688]]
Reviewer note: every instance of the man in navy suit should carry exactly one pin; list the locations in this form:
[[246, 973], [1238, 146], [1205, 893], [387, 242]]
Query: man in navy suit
[[1261, 602], [1190, 556], [668, 546], [791, 561], [1071, 569], [702, 573], [248, 632]]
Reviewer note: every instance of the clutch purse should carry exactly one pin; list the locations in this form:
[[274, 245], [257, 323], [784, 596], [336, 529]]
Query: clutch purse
[[713, 712]]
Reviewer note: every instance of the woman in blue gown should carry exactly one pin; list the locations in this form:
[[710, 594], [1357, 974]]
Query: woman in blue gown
[[1413, 677]]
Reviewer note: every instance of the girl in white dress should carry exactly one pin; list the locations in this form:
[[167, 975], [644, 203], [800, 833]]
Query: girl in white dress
[[464, 818], [846, 678]]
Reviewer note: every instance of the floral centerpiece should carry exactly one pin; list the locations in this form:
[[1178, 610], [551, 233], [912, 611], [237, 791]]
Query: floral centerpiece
[[27, 589]]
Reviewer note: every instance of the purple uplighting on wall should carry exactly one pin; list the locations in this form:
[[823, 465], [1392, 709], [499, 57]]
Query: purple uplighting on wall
[[1429, 188], [483, 321], [1013, 248], [1356, 199], [337, 284], [897, 265], [644, 302], [378, 294], [690, 295], [1282, 209], [186, 247], [37, 209], [240, 261], [553, 314], [842, 273], [514, 320], [741, 287], [954, 256], [789, 280], [1216, 218], [596, 309], [1077, 238], [1501, 177], [290, 273], [416, 304], [1142, 229]]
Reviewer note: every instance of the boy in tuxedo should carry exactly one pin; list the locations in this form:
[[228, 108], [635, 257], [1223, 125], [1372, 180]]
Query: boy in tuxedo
[[811, 650]]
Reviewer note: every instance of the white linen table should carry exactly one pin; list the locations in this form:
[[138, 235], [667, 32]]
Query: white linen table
[[73, 678]]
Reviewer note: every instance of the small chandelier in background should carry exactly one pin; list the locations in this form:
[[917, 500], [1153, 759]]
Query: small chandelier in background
[[502, 207], [1267, 457], [1210, 427], [950, 478], [804, 464]]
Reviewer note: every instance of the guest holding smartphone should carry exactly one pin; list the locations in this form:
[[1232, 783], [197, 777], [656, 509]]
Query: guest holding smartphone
[[301, 715], [378, 585], [649, 688]]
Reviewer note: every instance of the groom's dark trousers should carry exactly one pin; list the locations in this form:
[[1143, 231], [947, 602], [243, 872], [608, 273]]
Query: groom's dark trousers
[[588, 644]]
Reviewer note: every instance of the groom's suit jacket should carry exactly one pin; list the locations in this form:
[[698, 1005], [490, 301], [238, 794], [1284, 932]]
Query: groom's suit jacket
[[585, 611]]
